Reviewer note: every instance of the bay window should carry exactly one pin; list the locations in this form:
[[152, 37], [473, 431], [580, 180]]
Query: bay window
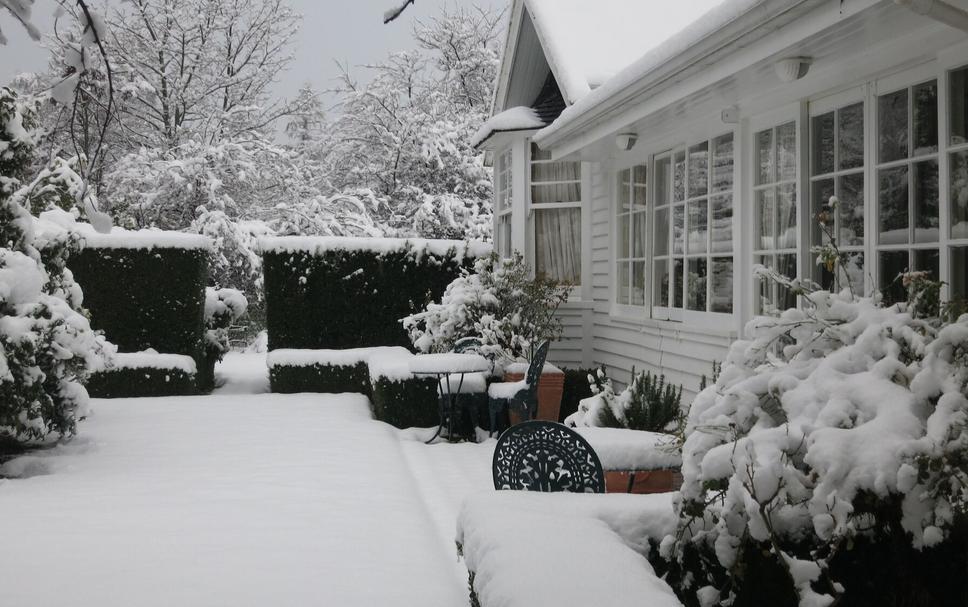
[[502, 234], [775, 242], [555, 199], [837, 162], [631, 220], [693, 236]]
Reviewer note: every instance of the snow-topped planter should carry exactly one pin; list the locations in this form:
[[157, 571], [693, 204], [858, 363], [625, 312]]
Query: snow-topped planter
[[336, 292], [147, 373], [551, 386], [528, 549], [636, 461]]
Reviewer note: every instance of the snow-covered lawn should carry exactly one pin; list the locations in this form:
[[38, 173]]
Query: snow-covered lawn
[[234, 499]]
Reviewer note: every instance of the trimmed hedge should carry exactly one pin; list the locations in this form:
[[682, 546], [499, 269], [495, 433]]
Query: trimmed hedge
[[338, 299], [406, 403], [334, 379], [146, 298], [135, 383]]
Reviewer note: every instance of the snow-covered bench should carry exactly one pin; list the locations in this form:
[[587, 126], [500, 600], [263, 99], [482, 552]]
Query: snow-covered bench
[[527, 549], [636, 461]]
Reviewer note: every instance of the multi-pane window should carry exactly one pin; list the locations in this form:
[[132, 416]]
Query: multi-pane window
[[630, 222], [907, 186], [502, 236], [556, 201], [958, 177], [693, 244], [837, 169], [775, 242]]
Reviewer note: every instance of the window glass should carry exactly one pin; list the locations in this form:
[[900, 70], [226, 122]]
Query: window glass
[[557, 229], [775, 214], [632, 237]]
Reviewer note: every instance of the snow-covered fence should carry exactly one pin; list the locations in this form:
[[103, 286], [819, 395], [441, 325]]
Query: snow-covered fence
[[335, 292]]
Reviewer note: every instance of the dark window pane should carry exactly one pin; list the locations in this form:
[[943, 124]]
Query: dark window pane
[[786, 216], [723, 163], [638, 235], [893, 205], [926, 222], [764, 157], [661, 243], [660, 296], [852, 209], [623, 236], [958, 106], [663, 181], [722, 234], [959, 273], [678, 229], [893, 264], [786, 151], [638, 283], [959, 194], [699, 169], [765, 238], [678, 272], [722, 285], [892, 126], [787, 266], [851, 134], [823, 144], [622, 283], [624, 204], [820, 212], [928, 260], [925, 100], [697, 284]]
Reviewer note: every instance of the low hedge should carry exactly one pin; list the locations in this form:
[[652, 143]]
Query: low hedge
[[406, 403], [334, 379], [338, 293], [146, 297], [135, 383]]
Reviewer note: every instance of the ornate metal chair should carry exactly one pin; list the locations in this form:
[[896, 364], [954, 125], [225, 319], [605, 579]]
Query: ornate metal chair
[[546, 456], [520, 395]]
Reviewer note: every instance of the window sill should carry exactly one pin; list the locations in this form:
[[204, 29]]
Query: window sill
[[712, 327]]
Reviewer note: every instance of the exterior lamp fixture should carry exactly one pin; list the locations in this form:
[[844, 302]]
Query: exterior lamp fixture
[[626, 141], [792, 68]]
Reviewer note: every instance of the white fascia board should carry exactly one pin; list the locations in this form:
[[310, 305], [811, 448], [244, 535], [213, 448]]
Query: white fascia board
[[508, 56], [741, 44]]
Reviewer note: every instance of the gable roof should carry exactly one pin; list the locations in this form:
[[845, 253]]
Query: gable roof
[[586, 42]]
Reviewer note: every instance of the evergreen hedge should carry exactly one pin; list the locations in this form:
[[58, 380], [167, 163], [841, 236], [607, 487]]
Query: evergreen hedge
[[332, 379], [326, 297], [136, 383], [146, 298], [407, 403]]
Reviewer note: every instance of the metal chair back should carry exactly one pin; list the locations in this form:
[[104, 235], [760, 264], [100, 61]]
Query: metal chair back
[[533, 376], [546, 456]]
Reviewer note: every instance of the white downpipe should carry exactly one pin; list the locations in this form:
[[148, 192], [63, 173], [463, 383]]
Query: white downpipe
[[939, 11]]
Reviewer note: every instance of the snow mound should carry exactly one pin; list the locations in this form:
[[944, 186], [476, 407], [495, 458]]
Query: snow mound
[[151, 359], [52, 223], [622, 449], [318, 245], [514, 119], [531, 549], [449, 362]]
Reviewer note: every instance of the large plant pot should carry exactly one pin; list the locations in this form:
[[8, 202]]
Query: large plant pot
[[551, 386]]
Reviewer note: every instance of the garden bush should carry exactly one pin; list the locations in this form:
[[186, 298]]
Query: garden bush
[[324, 378], [222, 308], [406, 403], [337, 293], [133, 380], [647, 403], [576, 389]]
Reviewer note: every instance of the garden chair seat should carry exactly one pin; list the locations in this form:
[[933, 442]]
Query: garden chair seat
[[521, 395]]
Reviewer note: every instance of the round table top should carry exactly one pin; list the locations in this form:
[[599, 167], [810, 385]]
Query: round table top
[[435, 364]]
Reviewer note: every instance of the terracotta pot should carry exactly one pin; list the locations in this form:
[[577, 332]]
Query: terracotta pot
[[644, 481], [551, 385]]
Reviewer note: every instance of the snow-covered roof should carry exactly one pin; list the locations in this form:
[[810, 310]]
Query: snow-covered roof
[[518, 118], [586, 43]]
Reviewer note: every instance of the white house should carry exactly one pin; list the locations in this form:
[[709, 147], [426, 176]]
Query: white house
[[654, 159]]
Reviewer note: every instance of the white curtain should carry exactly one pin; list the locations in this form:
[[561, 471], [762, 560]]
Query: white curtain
[[558, 244]]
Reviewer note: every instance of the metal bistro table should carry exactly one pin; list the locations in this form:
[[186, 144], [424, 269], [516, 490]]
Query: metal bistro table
[[444, 367]]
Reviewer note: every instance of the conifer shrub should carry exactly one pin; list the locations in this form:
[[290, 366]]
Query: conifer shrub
[[647, 403]]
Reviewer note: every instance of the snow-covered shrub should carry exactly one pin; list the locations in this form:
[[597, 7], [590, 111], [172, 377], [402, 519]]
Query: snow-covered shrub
[[332, 292], [235, 262], [47, 346], [223, 307], [500, 303], [837, 426], [647, 403]]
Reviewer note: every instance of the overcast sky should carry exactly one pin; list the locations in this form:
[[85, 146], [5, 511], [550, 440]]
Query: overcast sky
[[350, 31]]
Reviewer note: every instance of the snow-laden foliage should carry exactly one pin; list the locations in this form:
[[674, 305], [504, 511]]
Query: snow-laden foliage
[[821, 420], [47, 346], [222, 308], [647, 403], [497, 302]]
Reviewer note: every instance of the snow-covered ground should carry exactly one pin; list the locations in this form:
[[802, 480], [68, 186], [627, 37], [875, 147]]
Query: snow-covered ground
[[239, 498]]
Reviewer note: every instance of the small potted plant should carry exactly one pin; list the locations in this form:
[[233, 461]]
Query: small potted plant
[[508, 310]]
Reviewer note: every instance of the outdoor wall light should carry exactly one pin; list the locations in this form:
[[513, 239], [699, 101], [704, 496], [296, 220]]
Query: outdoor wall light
[[792, 68], [626, 141]]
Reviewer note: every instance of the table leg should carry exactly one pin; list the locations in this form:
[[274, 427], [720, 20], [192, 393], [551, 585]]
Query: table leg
[[440, 415]]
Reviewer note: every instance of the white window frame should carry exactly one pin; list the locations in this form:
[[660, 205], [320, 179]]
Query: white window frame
[[532, 208], [504, 202], [630, 309]]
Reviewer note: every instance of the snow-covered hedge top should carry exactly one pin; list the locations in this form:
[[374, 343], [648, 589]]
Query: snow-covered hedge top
[[449, 363], [392, 363], [521, 547], [335, 358], [514, 119], [623, 449], [57, 221], [151, 359], [318, 245]]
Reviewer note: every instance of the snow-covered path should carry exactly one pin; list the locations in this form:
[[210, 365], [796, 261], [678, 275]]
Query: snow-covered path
[[237, 499]]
